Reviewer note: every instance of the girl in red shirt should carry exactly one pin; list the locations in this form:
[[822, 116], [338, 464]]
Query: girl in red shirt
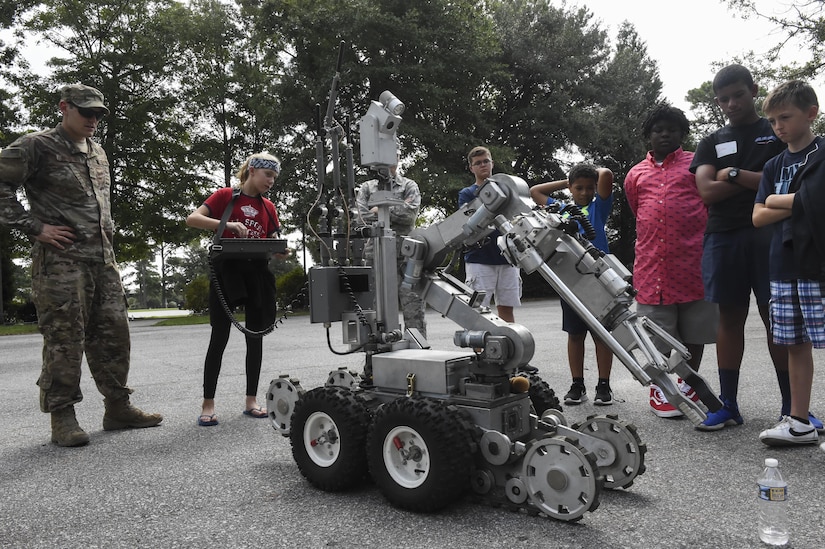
[[247, 282]]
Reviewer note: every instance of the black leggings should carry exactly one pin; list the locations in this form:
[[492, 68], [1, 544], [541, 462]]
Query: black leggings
[[221, 327]]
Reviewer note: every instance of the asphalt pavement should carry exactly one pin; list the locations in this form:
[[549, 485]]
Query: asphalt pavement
[[236, 484]]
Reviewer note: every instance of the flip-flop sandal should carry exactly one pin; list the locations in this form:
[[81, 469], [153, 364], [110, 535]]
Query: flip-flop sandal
[[207, 421], [255, 412]]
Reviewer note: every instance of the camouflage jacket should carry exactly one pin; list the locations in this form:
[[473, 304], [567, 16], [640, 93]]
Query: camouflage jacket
[[64, 186], [402, 216]]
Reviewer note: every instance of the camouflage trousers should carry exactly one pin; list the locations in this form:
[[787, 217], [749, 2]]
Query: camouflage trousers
[[412, 309], [411, 305], [81, 308]]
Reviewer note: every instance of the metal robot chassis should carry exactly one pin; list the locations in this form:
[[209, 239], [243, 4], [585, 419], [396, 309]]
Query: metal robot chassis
[[430, 425]]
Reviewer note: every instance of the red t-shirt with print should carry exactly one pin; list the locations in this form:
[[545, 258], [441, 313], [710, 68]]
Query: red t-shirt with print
[[257, 213]]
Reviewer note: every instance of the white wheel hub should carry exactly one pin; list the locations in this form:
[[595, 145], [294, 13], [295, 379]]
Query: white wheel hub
[[321, 439], [406, 457]]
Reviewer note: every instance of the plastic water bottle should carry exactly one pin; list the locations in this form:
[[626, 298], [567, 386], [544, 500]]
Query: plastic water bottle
[[773, 505]]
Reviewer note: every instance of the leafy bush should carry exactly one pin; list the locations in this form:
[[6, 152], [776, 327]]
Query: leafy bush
[[196, 296], [291, 289], [21, 311]]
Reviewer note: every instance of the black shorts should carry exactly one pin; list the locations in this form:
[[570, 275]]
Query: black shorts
[[571, 322], [734, 263]]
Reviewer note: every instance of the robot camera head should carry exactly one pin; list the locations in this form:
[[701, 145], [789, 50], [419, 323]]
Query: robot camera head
[[378, 127]]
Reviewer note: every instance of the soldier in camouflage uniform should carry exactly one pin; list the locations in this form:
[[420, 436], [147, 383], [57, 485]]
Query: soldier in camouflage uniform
[[402, 221], [76, 284]]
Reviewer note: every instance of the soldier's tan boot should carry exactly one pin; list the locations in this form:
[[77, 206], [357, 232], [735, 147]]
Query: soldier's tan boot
[[120, 414], [65, 429]]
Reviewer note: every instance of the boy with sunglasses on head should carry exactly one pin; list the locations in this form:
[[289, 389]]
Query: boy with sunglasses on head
[[76, 285], [790, 200]]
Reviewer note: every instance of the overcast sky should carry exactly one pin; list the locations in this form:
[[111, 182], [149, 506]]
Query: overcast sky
[[678, 36]]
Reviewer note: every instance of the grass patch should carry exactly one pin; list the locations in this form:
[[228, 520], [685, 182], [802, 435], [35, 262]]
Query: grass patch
[[18, 329], [191, 320]]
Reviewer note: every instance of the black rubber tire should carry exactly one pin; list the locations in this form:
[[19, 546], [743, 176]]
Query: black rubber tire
[[345, 418], [446, 436], [541, 395]]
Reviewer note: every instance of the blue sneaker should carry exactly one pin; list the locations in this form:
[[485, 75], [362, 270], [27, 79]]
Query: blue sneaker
[[727, 415], [816, 423]]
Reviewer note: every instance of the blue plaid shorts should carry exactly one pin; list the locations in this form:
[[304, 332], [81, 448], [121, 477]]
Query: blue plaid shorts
[[798, 312]]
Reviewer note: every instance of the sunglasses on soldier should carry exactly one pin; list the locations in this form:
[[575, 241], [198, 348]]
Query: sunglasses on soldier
[[88, 113]]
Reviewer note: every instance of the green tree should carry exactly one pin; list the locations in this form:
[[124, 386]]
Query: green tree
[[550, 56], [707, 116], [182, 269], [439, 73], [292, 289], [209, 86], [570, 94], [230, 86], [10, 59], [145, 278], [802, 26], [628, 88], [130, 51], [12, 244], [196, 87], [196, 295]]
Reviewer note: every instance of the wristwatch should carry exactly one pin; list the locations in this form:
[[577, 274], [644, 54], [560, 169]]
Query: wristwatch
[[733, 174]]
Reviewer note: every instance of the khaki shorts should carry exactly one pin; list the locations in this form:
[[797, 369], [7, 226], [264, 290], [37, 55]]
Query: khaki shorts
[[501, 281], [694, 322]]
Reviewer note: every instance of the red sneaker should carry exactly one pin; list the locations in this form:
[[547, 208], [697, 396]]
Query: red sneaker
[[687, 390], [659, 404]]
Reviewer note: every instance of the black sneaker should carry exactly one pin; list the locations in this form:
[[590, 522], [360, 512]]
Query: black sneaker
[[604, 396], [576, 395]]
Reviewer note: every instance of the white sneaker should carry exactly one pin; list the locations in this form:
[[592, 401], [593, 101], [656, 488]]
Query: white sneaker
[[687, 390], [789, 432]]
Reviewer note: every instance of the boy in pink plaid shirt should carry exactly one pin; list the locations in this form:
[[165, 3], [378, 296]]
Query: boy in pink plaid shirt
[[670, 226]]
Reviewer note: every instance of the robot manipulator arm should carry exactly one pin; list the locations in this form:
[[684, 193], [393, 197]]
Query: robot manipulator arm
[[597, 285], [501, 197], [598, 288]]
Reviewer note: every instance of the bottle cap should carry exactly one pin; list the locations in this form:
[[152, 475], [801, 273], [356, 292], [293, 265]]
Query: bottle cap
[[771, 462]]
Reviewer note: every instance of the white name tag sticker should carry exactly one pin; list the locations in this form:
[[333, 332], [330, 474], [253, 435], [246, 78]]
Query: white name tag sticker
[[725, 149]]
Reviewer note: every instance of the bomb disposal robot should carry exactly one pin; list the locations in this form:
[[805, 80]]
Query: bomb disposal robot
[[428, 425]]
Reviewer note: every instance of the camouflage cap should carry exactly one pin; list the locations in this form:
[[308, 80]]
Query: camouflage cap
[[85, 97]]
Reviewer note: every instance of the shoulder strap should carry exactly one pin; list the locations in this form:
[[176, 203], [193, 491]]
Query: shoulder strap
[[216, 239], [275, 224]]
